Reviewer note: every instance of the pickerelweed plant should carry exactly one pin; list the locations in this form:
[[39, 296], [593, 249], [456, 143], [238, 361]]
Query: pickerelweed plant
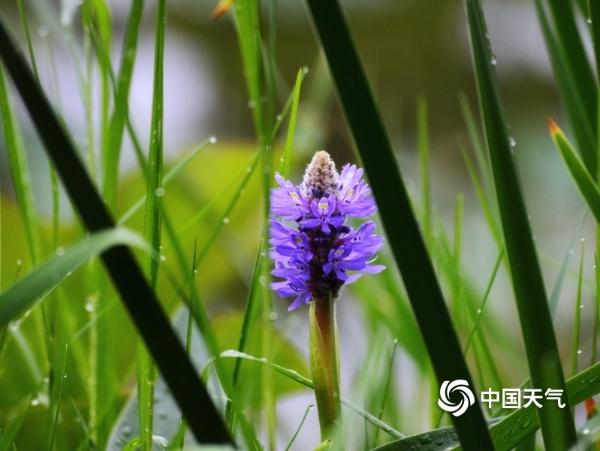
[[316, 253]]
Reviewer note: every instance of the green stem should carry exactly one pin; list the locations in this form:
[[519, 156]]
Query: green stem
[[324, 364]]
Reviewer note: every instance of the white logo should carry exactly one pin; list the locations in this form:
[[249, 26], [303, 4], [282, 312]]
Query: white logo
[[461, 387]]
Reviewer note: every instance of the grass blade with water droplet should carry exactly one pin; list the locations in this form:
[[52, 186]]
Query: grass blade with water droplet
[[582, 178], [536, 323], [44, 278]]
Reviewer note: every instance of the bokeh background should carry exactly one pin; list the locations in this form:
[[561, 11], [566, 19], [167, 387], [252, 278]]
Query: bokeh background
[[410, 49]]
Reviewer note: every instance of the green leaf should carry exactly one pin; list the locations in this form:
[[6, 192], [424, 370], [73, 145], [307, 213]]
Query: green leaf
[[536, 323], [44, 278], [582, 178], [402, 230]]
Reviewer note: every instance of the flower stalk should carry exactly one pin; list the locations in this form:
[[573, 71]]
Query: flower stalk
[[324, 362]]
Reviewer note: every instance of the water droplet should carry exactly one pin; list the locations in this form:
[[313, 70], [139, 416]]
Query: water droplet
[[273, 316], [14, 326], [589, 20], [586, 430], [90, 304], [126, 429], [305, 70], [581, 307], [493, 61], [160, 441], [19, 262], [579, 351], [263, 281], [249, 169], [479, 311], [512, 141], [160, 191], [212, 139], [65, 376], [225, 220], [46, 380], [267, 169], [163, 258], [571, 252], [251, 104], [279, 117], [35, 402], [60, 251]]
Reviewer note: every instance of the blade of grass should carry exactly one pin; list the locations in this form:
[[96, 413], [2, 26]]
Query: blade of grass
[[386, 389], [152, 224], [484, 300], [399, 222], [21, 296], [577, 64], [582, 121], [582, 178], [293, 439], [597, 316], [19, 171], [536, 324], [96, 14], [286, 158], [25, 26], [423, 146], [594, 12], [575, 350], [140, 300], [474, 136], [117, 121], [558, 283], [482, 196]]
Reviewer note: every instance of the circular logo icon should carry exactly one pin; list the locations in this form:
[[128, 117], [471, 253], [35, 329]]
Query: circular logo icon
[[461, 387]]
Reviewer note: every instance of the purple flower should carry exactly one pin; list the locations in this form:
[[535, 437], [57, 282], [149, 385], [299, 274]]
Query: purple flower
[[314, 251]]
